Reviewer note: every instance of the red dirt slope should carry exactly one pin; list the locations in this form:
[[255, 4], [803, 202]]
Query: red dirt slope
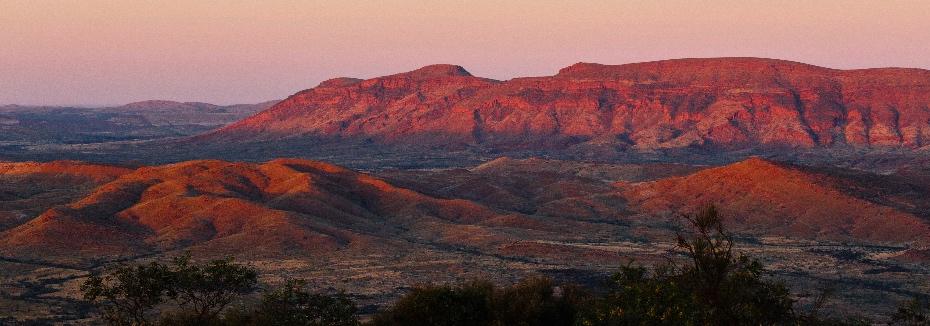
[[768, 198], [283, 207], [27, 189]]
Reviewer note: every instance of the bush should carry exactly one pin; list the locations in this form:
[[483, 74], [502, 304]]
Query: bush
[[427, 305], [129, 295], [292, 304], [187, 294], [532, 301]]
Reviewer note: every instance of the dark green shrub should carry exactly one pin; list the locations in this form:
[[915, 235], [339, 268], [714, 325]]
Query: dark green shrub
[[464, 304], [533, 301], [640, 298]]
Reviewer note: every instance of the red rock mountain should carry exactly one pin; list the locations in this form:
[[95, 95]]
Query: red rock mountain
[[728, 103]]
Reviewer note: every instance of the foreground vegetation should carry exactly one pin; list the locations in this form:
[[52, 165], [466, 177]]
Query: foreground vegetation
[[185, 294], [714, 286]]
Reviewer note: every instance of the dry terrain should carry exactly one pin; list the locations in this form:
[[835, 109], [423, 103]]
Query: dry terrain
[[435, 175], [375, 234]]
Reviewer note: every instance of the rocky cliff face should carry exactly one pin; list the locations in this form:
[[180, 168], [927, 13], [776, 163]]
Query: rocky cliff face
[[725, 103]]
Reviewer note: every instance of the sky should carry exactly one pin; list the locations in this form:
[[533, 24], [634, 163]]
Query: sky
[[101, 52]]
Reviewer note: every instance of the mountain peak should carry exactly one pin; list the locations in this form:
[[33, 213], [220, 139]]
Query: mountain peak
[[439, 70], [758, 162]]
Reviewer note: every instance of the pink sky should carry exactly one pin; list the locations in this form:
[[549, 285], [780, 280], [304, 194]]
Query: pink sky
[[97, 52]]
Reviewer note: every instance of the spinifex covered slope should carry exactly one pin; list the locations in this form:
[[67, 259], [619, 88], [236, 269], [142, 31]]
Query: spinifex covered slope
[[297, 207], [760, 197], [265, 210], [726, 103], [770, 198]]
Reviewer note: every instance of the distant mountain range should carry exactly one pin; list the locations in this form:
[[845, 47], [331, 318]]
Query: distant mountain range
[[696, 111], [23, 126], [706, 106]]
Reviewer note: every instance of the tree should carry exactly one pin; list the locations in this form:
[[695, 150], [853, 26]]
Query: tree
[[129, 295], [714, 287], [207, 290], [913, 312], [729, 289]]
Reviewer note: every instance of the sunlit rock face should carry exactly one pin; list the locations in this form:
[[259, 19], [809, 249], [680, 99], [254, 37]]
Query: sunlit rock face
[[724, 103]]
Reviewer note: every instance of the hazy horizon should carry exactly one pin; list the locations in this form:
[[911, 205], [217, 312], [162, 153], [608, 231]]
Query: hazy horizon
[[101, 52]]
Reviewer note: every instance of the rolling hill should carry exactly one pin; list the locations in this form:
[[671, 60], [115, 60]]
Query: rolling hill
[[376, 232]]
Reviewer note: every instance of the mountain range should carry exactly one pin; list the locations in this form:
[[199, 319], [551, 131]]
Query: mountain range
[[698, 111], [27, 127], [709, 106]]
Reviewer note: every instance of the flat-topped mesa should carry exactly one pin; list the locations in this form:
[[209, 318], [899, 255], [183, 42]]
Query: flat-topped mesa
[[721, 104], [711, 70]]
